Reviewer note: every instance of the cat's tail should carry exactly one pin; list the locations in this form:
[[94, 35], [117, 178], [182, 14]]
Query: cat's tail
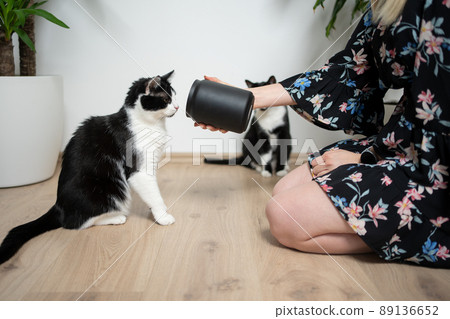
[[23, 233], [227, 161]]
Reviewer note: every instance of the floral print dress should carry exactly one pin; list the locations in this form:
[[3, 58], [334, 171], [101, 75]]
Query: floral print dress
[[399, 206]]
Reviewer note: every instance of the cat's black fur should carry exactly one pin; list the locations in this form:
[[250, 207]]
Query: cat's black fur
[[95, 170], [265, 156]]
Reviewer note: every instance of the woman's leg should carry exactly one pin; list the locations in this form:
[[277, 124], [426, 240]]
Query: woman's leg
[[303, 217], [297, 177]]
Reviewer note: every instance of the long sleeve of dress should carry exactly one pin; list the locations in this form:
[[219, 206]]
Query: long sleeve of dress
[[346, 93]]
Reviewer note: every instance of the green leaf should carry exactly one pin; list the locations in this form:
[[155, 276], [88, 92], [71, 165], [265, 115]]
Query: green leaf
[[8, 19], [337, 7], [3, 15], [9, 6], [24, 37], [20, 4], [2, 7], [37, 4], [21, 17], [46, 15], [360, 6], [319, 3], [330, 26]]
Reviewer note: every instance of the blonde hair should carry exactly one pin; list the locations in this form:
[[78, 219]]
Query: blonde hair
[[387, 11]]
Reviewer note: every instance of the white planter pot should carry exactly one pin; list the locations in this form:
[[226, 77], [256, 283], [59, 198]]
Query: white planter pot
[[31, 128]]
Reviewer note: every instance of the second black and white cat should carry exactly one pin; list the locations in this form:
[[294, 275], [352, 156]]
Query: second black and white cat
[[267, 143], [105, 158]]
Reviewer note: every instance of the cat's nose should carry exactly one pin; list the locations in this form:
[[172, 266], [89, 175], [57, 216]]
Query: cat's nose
[[176, 107]]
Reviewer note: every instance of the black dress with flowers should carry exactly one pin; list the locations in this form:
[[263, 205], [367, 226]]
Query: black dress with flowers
[[399, 206]]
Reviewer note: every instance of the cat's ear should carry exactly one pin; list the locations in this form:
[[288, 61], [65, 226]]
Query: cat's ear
[[152, 84], [249, 83], [168, 77], [272, 80]]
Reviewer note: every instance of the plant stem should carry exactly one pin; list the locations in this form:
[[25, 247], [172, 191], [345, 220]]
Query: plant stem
[[6, 56]]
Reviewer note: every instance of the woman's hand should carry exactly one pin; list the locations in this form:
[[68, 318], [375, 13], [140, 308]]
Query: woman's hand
[[214, 79], [209, 127], [332, 159]]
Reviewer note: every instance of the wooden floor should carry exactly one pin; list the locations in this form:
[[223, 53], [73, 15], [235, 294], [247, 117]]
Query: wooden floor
[[220, 248]]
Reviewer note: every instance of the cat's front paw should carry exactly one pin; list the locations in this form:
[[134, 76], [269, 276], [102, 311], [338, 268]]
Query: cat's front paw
[[282, 173], [266, 174], [165, 219]]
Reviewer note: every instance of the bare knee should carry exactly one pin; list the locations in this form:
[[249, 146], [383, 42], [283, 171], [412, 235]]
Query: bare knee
[[286, 230], [273, 213], [297, 177], [279, 186]]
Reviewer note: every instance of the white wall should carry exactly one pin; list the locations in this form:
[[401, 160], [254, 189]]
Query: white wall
[[233, 40]]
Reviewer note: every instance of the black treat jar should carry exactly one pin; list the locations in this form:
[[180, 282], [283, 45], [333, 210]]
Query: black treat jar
[[222, 106]]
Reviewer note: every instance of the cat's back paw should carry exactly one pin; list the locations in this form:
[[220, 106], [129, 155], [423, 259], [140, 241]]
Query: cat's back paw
[[165, 219], [282, 173], [266, 174], [105, 219], [119, 220]]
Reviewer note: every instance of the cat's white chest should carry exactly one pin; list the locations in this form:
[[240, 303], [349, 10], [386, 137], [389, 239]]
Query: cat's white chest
[[148, 141], [270, 118]]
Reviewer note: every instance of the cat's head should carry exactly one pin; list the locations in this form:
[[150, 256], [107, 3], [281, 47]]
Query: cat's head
[[251, 84], [155, 96]]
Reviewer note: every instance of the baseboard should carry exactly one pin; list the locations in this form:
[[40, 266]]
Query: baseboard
[[183, 157]]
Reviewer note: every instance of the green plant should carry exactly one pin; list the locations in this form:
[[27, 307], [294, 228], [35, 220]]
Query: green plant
[[360, 6], [13, 17]]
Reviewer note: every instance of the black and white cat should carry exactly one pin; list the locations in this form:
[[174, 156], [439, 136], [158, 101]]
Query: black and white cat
[[105, 158], [267, 143]]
